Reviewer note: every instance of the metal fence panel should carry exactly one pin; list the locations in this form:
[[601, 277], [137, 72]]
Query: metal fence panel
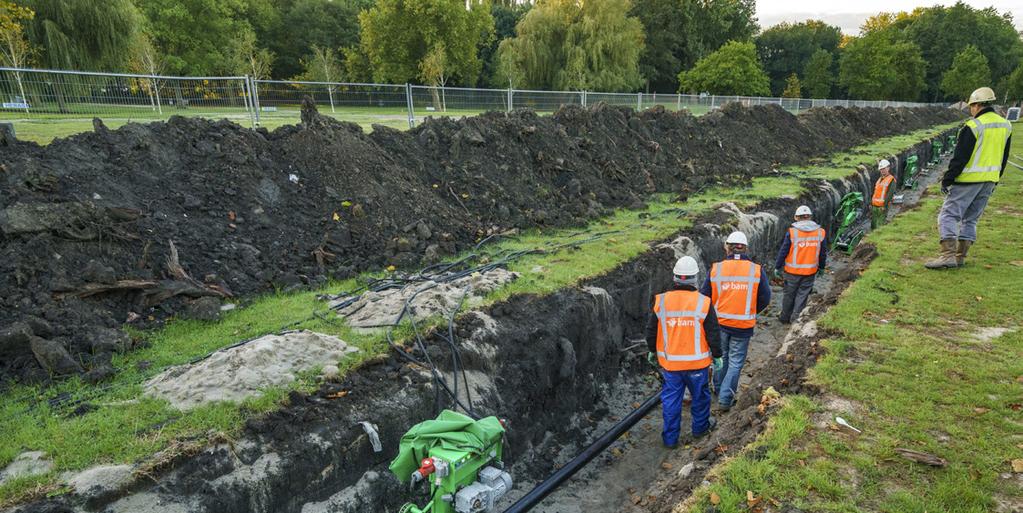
[[279, 102]]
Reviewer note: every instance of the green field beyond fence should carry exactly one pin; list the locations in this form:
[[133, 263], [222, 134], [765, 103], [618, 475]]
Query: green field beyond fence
[[45, 104]]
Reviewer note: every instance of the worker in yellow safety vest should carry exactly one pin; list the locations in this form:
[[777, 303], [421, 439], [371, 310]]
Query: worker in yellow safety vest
[[982, 150], [884, 189], [739, 289], [803, 254], [682, 338]]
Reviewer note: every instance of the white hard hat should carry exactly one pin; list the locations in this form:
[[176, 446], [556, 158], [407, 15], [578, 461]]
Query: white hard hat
[[686, 266], [883, 164], [804, 210], [984, 94], [737, 238]]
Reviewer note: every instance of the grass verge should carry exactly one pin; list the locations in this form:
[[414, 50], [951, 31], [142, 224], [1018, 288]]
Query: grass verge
[[928, 361], [126, 427]]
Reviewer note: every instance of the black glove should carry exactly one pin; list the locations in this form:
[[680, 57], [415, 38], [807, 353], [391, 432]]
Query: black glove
[[944, 189]]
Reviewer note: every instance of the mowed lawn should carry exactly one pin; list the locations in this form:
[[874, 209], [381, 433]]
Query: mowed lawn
[[930, 361]]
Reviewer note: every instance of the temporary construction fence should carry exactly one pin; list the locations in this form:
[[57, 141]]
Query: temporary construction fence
[[73, 98]]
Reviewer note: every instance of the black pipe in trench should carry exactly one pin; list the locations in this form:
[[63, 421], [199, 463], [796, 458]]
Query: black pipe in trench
[[542, 490]]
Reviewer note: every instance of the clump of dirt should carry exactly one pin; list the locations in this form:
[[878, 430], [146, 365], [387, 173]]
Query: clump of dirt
[[134, 225]]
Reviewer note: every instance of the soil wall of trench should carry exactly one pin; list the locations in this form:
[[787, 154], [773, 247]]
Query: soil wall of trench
[[542, 363]]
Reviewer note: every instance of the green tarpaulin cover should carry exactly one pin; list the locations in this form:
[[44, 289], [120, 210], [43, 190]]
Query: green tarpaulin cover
[[450, 430]]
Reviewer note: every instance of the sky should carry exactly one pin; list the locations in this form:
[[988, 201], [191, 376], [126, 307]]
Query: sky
[[849, 15]]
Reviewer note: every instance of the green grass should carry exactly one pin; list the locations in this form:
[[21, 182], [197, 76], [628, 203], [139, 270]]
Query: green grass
[[127, 427], [905, 351]]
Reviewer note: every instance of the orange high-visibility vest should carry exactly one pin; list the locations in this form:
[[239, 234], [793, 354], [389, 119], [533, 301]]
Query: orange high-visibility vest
[[881, 190], [681, 341], [733, 285], [804, 253]]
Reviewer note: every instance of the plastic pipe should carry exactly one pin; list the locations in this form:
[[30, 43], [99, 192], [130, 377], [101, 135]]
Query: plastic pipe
[[542, 490]]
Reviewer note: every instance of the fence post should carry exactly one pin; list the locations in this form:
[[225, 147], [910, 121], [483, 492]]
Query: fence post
[[712, 98], [255, 99], [247, 93], [156, 88], [639, 101], [584, 97], [678, 101], [509, 102], [409, 103]]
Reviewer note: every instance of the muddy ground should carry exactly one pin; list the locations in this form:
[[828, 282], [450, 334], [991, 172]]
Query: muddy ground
[[134, 225], [560, 368]]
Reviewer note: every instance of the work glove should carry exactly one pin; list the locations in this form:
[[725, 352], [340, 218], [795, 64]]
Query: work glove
[[718, 365], [652, 358], [944, 190], [777, 274]]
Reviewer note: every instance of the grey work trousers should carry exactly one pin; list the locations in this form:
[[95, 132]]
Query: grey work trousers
[[797, 291], [962, 209]]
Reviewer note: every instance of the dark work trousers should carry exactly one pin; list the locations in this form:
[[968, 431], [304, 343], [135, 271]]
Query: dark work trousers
[[797, 290]]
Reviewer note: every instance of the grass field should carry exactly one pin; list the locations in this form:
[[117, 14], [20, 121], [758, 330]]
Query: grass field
[[926, 360], [127, 427]]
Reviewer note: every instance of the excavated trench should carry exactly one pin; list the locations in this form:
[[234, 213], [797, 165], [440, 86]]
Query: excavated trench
[[560, 368]]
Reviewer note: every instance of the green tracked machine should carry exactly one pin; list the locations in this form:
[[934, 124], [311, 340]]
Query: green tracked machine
[[460, 458], [937, 149], [909, 172], [846, 227]]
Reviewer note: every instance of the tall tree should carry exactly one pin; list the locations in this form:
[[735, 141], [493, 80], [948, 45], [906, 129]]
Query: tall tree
[[792, 87], [198, 37], [817, 75], [322, 65], [506, 17], [732, 70], [969, 71], [566, 44], [398, 34], [84, 35], [147, 60], [882, 66], [680, 32], [300, 24], [1011, 86], [943, 32], [786, 48], [250, 59], [14, 48]]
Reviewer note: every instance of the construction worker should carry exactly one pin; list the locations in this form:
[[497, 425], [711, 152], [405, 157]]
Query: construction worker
[[981, 153], [803, 254], [884, 190], [739, 290], [682, 337]]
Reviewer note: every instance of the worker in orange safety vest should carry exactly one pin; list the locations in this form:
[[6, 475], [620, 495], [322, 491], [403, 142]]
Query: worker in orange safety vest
[[884, 190], [803, 254], [739, 290], [683, 340]]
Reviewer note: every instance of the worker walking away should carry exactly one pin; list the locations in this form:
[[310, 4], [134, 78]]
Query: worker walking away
[[682, 337], [738, 289], [981, 153], [803, 254], [884, 190]]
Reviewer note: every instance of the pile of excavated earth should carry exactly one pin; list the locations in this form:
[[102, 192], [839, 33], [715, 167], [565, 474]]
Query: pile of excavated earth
[[128, 227]]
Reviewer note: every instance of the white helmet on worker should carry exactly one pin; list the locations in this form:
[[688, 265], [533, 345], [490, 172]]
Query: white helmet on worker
[[883, 164], [803, 210], [982, 95], [686, 267], [737, 238]]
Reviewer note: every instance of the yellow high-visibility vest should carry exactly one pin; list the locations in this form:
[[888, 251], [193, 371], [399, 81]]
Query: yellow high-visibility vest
[[992, 133]]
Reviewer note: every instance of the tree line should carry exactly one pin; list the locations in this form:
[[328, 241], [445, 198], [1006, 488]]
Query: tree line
[[693, 46]]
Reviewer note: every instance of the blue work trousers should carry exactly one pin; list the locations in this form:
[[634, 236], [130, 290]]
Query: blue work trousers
[[726, 382], [675, 385]]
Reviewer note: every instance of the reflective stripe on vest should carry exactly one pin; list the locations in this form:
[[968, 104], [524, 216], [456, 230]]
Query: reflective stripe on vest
[[804, 260], [737, 310], [881, 191], [681, 342], [992, 133]]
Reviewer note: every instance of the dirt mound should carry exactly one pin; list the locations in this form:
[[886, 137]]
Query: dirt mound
[[147, 221]]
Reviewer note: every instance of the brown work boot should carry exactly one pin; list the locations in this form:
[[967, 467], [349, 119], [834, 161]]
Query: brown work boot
[[961, 250], [947, 258]]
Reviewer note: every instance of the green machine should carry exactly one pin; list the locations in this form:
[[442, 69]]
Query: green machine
[[846, 226], [461, 458], [937, 149], [909, 172]]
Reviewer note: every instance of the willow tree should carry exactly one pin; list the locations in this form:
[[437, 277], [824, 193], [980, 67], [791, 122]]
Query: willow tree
[[572, 45], [84, 35]]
